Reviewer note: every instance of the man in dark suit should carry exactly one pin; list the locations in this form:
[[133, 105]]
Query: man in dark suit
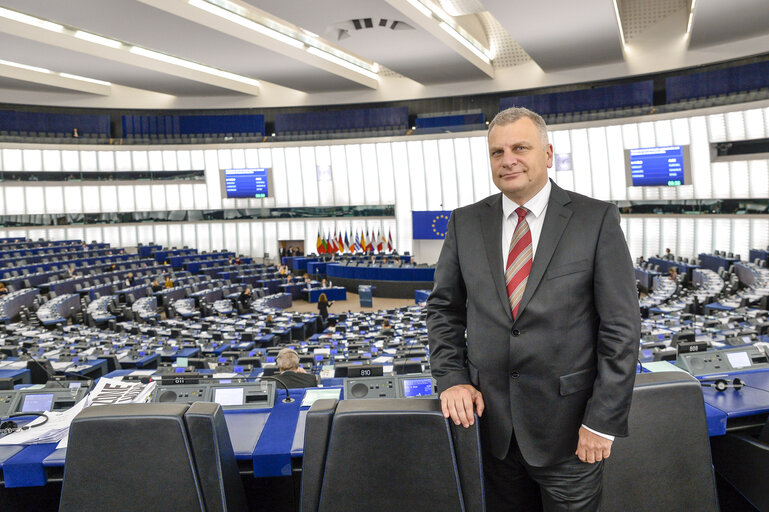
[[291, 372], [534, 325]]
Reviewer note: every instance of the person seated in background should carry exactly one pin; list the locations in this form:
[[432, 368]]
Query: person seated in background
[[156, 286], [168, 283], [387, 328], [673, 273], [3, 289], [244, 299], [72, 271], [238, 261], [269, 322], [291, 373], [325, 283], [129, 280]]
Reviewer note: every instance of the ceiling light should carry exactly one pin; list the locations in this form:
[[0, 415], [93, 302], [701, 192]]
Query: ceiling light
[[341, 62], [293, 36], [449, 26], [85, 79], [619, 22], [162, 57], [691, 17], [467, 44], [30, 20], [245, 22], [24, 66], [93, 38]]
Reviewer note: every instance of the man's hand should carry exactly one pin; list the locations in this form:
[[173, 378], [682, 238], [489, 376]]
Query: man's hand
[[457, 403], [592, 447]]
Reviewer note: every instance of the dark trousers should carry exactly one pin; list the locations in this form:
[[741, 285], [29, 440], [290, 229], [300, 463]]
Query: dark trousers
[[512, 485]]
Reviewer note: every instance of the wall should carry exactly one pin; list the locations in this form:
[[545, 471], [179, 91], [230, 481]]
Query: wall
[[438, 172]]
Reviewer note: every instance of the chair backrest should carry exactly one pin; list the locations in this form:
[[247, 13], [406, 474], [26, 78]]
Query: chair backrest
[[215, 458], [129, 456], [437, 467], [668, 443]]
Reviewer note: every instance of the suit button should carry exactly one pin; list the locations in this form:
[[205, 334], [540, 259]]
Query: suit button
[[514, 374], [516, 332]]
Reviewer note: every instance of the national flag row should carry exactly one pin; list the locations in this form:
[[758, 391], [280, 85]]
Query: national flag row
[[361, 242]]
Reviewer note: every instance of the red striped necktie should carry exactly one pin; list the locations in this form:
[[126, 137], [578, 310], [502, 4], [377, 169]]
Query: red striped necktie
[[518, 261]]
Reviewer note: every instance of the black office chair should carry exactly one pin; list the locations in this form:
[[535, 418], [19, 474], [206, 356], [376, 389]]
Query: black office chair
[[668, 443], [194, 470], [438, 466]]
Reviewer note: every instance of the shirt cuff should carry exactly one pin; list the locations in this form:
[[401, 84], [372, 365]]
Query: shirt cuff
[[605, 436]]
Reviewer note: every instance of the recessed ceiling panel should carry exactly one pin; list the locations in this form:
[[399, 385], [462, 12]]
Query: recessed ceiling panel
[[377, 31], [717, 22], [562, 34], [138, 23]]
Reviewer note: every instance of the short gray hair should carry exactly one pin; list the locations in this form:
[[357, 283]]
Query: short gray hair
[[513, 114], [287, 359]]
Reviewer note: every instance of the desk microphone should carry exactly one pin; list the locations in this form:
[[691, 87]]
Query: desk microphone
[[288, 398]]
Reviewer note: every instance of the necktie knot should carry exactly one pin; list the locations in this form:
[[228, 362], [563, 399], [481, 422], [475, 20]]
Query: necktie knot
[[521, 212]]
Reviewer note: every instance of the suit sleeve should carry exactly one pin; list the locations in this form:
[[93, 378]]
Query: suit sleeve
[[619, 330], [447, 316]]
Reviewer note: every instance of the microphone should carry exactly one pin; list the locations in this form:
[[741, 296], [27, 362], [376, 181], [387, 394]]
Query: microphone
[[288, 398]]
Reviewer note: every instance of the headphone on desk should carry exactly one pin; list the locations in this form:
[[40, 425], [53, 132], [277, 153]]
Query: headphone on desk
[[8, 426], [723, 384]]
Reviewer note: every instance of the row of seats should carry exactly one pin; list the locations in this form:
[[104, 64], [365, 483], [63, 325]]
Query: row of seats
[[192, 125], [53, 125], [599, 98], [350, 120], [733, 79]]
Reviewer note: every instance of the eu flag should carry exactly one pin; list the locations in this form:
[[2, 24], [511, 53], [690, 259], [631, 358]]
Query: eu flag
[[430, 225]]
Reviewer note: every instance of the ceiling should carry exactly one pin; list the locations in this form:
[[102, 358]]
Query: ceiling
[[412, 48]]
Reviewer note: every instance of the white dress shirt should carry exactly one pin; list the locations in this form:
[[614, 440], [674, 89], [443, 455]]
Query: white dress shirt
[[537, 207]]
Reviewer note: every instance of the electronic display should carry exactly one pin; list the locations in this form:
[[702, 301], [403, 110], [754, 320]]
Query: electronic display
[[666, 166], [229, 396], [417, 387], [738, 359], [37, 402], [246, 183]]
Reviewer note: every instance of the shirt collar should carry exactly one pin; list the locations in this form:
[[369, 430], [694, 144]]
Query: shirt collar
[[536, 205]]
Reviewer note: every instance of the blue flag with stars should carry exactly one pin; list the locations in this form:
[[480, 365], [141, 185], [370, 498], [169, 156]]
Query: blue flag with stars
[[430, 225]]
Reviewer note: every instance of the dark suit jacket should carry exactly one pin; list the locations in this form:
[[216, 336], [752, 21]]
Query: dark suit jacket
[[294, 379], [569, 358]]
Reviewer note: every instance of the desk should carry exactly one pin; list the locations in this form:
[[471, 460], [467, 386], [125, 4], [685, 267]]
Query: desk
[[714, 262], [20, 376], [334, 293]]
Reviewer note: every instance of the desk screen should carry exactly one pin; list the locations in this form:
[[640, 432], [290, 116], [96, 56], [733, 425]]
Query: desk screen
[[246, 183], [417, 387], [229, 396], [37, 403], [666, 166], [738, 359]]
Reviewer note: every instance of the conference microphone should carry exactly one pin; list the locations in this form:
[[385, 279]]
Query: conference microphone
[[288, 398]]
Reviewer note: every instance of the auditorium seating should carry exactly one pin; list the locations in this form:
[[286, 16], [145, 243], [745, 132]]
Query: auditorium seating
[[194, 470], [189, 128], [450, 122], [369, 122], [419, 461]]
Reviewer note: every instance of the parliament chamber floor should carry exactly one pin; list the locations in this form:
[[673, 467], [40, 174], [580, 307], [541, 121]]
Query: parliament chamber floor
[[102, 368]]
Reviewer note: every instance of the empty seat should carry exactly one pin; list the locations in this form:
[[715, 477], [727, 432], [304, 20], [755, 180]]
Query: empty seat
[[195, 470], [668, 442], [415, 429]]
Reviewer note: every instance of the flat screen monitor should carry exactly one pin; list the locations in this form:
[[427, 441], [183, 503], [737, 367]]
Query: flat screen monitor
[[418, 387], [37, 402], [229, 396], [664, 166], [253, 183]]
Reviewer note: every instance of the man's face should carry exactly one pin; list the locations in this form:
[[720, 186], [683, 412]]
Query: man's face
[[519, 162]]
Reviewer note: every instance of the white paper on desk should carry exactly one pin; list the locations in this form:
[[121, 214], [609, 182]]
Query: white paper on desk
[[61, 365], [382, 360], [313, 394], [143, 373], [115, 391], [13, 365], [55, 429]]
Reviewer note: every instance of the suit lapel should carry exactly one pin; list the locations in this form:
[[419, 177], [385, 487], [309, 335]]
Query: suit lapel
[[556, 219], [491, 227]]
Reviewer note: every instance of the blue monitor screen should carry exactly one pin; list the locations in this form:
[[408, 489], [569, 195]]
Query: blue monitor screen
[[666, 166], [37, 403], [251, 183], [417, 387]]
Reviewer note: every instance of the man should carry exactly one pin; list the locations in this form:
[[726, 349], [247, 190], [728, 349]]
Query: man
[[244, 299], [291, 373], [546, 297]]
